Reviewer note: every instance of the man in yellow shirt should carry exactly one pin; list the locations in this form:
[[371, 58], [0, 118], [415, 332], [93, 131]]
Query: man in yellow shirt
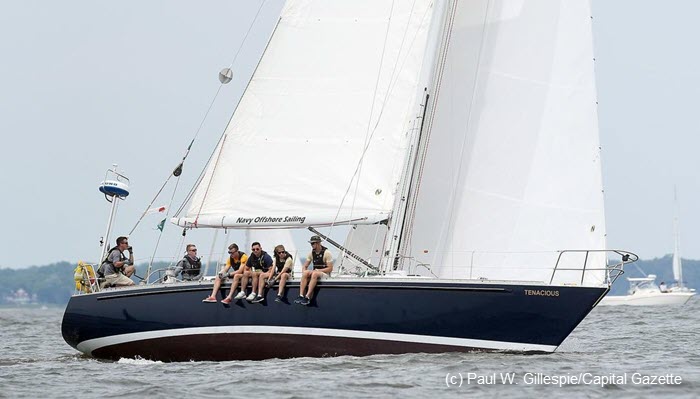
[[235, 260]]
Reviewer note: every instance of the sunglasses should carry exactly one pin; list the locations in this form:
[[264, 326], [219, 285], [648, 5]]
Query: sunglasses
[[193, 250], [255, 249], [280, 253], [232, 252]]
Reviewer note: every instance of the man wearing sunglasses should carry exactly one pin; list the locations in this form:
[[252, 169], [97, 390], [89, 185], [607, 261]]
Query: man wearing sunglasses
[[117, 269], [258, 261], [284, 266], [260, 264], [190, 265], [322, 260], [235, 260]]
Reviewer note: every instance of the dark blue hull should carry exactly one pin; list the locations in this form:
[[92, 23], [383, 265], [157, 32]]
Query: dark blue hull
[[347, 317]]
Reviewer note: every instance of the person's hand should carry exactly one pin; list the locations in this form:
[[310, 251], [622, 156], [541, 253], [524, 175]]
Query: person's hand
[[223, 275], [131, 249]]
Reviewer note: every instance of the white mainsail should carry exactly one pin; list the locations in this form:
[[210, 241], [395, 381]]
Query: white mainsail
[[509, 172], [320, 134]]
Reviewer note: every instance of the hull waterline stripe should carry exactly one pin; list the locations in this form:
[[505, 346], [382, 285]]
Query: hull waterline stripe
[[93, 344]]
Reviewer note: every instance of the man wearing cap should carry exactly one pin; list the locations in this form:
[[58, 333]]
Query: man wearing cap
[[322, 260]]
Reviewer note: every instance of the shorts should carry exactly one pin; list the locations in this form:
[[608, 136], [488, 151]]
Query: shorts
[[259, 270], [118, 280], [323, 275], [289, 273]]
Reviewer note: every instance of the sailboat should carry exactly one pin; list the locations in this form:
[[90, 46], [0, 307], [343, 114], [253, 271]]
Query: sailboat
[[679, 286], [643, 291], [456, 141]]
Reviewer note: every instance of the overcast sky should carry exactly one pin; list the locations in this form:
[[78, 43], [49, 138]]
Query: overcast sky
[[84, 84]]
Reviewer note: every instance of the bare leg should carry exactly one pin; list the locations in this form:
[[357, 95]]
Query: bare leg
[[261, 282], [304, 282], [217, 285], [236, 280], [312, 284], [283, 281], [254, 286], [244, 281]]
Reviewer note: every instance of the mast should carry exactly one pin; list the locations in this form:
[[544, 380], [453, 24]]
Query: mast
[[403, 200], [677, 263], [508, 166]]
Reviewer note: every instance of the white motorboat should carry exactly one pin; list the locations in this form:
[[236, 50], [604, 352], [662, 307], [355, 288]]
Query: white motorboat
[[644, 292]]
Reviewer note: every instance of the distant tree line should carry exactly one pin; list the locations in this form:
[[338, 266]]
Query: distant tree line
[[51, 284]]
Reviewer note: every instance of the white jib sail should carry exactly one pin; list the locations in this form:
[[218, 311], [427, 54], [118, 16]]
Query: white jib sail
[[320, 134], [511, 173]]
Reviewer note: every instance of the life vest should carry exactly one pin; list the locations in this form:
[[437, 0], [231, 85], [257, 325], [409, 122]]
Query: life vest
[[106, 261], [235, 265], [195, 265], [258, 262], [318, 258], [280, 263]]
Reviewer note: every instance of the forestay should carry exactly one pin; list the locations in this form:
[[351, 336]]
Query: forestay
[[320, 134], [510, 167]]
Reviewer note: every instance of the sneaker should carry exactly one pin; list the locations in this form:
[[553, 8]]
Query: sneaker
[[305, 301], [226, 301], [299, 299], [279, 298], [251, 296], [209, 299], [239, 296], [258, 299]]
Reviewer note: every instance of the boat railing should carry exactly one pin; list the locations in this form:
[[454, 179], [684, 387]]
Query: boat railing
[[568, 267], [166, 274], [612, 271]]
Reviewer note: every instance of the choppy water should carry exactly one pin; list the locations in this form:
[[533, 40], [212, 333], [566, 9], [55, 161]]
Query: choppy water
[[618, 341]]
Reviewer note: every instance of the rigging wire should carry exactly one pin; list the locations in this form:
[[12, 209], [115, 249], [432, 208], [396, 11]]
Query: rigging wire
[[176, 172], [411, 210], [160, 235], [392, 83], [178, 169], [219, 144], [371, 109]]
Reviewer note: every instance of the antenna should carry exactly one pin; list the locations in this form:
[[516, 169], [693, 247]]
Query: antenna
[[115, 186]]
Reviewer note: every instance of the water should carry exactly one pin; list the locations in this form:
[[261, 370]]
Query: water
[[650, 341]]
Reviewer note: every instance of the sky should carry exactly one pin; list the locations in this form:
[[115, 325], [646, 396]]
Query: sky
[[85, 84]]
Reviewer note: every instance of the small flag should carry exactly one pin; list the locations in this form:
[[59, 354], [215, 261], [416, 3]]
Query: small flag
[[161, 225], [159, 209]]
